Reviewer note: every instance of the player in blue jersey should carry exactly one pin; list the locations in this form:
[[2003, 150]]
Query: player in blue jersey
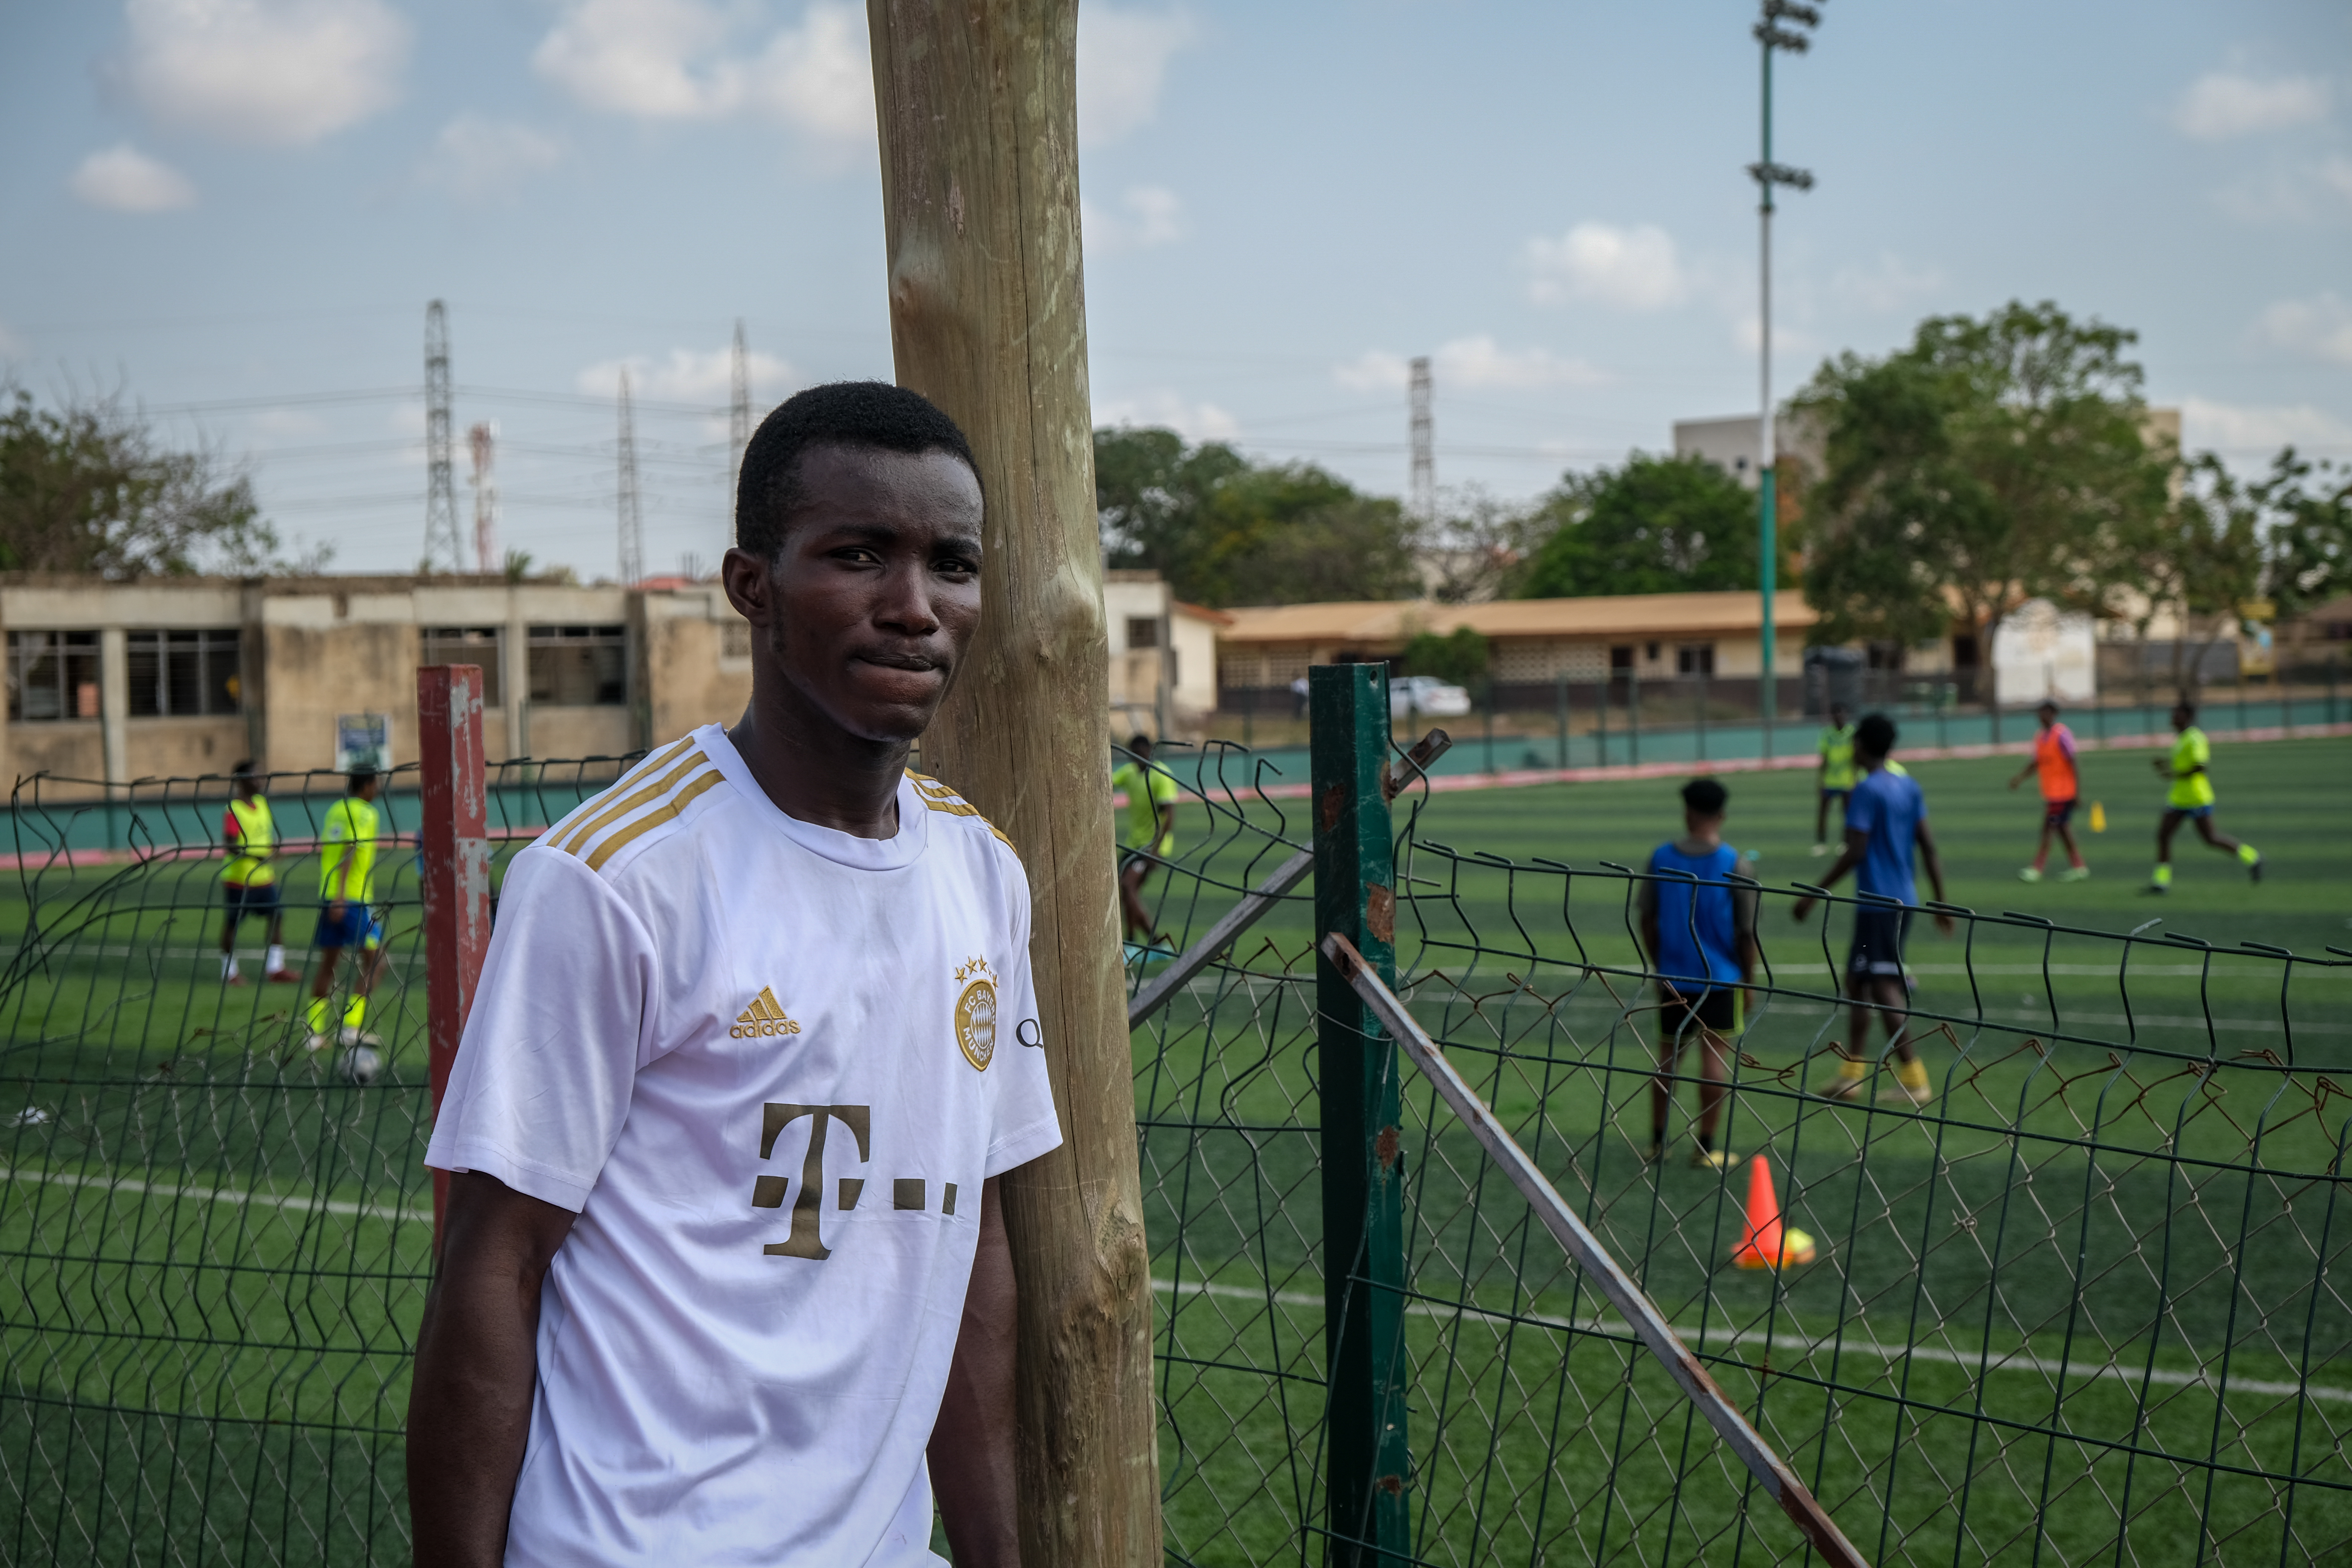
[[1700, 930], [1885, 825]]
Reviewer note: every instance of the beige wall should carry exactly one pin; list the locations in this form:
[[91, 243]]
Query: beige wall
[[314, 649]]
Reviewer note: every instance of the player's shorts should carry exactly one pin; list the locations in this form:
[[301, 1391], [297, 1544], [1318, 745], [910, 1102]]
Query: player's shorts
[[2057, 813], [245, 899], [1879, 933], [2172, 810], [358, 928], [1144, 855], [1680, 1016], [1837, 794]]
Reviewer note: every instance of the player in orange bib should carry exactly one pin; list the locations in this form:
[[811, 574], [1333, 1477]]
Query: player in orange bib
[[2052, 765]]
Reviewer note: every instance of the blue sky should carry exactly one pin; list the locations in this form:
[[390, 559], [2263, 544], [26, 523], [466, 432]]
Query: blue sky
[[236, 209]]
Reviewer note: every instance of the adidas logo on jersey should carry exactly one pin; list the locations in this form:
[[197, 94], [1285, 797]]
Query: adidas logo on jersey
[[764, 1016]]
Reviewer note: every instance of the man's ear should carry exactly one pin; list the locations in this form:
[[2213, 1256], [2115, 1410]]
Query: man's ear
[[750, 585]]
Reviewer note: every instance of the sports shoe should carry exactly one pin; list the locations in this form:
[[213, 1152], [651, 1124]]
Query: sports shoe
[[1904, 1094], [317, 1043], [353, 1037], [2155, 891], [2030, 874], [1713, 1159], [232, 979], [2075, 874], [1843, 1088], [2254, 868], [281, 977], [1820, 850]]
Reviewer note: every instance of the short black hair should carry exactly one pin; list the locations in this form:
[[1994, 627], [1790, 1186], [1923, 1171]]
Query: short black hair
[[1874, 736], [2188, 702], [2049, 702], [244, 769], [1706, 796], [838, 414], [360, 773], [1138, 741]]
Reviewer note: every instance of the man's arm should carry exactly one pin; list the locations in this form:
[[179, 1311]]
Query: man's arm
[[972, 1443], [2032, 765], [1927, 842], [476, 1370]]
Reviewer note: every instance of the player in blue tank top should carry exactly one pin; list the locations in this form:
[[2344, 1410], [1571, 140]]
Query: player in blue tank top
[[1699, 931], [1885, 825]]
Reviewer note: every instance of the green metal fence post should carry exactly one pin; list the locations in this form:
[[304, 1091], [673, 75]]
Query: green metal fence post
[[1560, 699], [1601, 734], [2334, 667], [1363, 1165], [1702, 718], [1633, 716]]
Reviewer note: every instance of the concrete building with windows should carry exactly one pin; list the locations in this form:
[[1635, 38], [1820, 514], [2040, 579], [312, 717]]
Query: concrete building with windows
[[1655, 638], [120, 681], [1163, 655]]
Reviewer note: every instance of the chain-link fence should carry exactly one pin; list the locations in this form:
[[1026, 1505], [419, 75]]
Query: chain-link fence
[[2084, 1304], [215, 1240]]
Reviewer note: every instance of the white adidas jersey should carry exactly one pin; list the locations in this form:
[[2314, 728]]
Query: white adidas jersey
[[768, 1065]]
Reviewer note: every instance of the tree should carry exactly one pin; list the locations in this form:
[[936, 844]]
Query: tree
[[1461, 658], [2307, 536], [1224, 530], [2202, 558], [1655, 525], [1989, 463], [86, 487], [1478, 548]]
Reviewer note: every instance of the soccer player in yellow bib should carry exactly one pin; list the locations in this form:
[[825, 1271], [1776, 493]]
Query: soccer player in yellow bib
[[248, 882], [346, 844], [2190, 799], [1146, 835], [1835, 774]]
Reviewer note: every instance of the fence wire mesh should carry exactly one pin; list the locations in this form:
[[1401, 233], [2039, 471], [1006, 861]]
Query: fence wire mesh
[[2084, 1305], [214, 1241]]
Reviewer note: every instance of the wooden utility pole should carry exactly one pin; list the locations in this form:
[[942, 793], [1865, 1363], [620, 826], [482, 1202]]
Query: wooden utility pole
[[978, 113]]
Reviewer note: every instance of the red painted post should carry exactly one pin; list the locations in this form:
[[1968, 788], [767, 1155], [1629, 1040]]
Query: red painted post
[[455, 866]]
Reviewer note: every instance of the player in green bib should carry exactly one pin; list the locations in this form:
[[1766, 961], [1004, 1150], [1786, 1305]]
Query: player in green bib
[[347, 845], [1835, 773], [2190, 798], [1147, 833]]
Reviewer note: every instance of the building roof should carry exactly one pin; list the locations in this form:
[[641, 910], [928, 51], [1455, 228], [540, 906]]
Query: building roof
[[1199, 613], [1617, 614]]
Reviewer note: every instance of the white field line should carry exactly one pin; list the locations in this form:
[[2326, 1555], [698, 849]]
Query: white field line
[[294, 1202], [1718, 1341]]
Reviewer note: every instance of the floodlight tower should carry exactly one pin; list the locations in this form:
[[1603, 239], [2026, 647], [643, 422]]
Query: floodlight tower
[[442, 545], [739, 418], [483, 439], [1424, 455], [633, 544], [1775, 29]]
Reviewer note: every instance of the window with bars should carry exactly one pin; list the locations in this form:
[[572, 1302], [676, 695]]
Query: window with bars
[[1695, 658], [1142, 632], [469, 645], [52, 676], [579, 666], [177, 675]]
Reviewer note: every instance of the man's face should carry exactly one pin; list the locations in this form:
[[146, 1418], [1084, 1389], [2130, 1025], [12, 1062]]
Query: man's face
[[1837, 717], [368, 788], [2048, 715], [2181, 718], [868, 607]]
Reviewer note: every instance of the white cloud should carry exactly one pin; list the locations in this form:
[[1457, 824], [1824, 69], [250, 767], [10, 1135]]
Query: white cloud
[[2320, 327], [2334, 175], [687, 376], [274, 72], [125, 180], [1148, 216], [682, 59], [1193, 421], [1635, 268], [1122, 64], [1475, 363], [479, 160], [1889, 283], [2230, 429], [2222, 104]]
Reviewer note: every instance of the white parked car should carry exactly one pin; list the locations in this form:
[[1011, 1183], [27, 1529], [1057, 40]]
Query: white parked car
[[1426, 697]]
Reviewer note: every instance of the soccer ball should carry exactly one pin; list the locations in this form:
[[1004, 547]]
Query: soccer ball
[[361, 1065]]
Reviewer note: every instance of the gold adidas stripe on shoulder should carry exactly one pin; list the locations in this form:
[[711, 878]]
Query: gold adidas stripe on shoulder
[[631, 832], [940, 797], [647, 767], [630, 801]]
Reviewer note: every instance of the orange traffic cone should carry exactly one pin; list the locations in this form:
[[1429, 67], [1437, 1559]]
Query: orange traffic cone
[[1764, 1241]]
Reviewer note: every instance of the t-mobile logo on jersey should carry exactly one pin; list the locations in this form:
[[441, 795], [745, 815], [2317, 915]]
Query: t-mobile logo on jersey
[[768, 1192]]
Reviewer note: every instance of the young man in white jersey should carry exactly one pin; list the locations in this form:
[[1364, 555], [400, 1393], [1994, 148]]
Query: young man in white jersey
[[723, 1263]]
